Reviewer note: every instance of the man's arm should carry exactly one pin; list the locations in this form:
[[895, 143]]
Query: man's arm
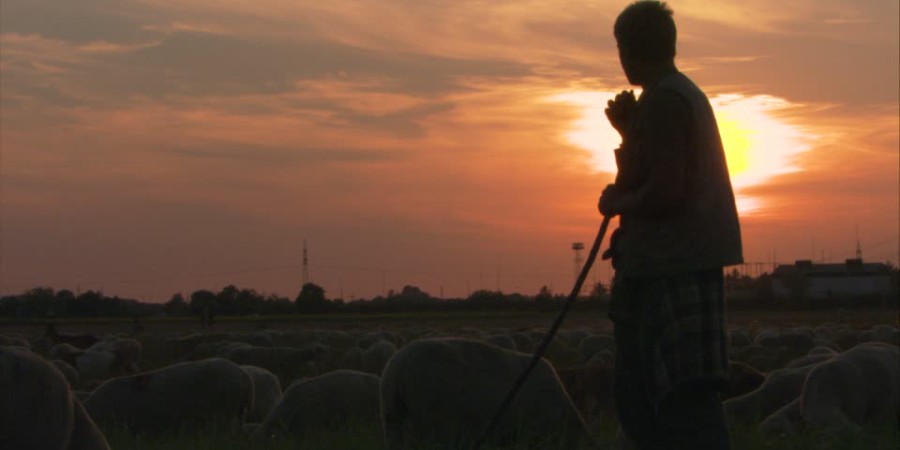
[[663, 148]]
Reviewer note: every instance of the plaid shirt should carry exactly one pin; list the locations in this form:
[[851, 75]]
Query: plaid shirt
[[670, 330]]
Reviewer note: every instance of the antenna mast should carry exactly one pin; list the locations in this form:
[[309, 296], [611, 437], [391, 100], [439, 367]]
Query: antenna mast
[[305, 265]]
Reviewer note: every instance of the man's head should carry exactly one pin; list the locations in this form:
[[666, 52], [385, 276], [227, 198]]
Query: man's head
[[645, 33]]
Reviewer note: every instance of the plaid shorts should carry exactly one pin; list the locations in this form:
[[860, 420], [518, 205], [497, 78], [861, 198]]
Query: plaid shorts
[[670, 330]]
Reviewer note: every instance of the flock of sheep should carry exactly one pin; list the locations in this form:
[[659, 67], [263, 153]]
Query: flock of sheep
[[426, 388]]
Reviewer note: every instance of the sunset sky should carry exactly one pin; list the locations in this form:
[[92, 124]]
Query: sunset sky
[[151, 147]]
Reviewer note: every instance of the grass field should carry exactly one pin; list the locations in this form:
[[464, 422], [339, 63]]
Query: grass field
[[368, 436]]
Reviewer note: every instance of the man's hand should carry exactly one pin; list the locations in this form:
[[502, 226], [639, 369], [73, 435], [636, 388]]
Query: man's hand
[[610, 203], [620, 111]]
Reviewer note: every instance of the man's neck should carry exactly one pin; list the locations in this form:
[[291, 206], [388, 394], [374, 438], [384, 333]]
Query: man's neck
[[656, 72]]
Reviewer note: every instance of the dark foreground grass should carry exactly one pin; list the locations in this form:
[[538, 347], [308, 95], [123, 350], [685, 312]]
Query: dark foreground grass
[[369, 437]]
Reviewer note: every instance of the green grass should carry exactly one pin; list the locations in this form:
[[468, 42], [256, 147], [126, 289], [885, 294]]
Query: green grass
[[369, 437]]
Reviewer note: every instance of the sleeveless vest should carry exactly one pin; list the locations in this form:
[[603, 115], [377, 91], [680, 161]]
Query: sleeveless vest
[[704, 233]]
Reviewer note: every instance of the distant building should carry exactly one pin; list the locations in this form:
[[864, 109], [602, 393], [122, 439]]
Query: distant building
[[821, 281]]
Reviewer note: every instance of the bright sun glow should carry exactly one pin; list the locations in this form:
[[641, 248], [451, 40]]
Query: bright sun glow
[[758, 143]]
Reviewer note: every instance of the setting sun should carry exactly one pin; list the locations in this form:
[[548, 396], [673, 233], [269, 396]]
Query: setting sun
[[759, 142]]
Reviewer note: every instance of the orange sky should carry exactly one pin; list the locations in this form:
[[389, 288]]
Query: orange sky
[[151, 146]]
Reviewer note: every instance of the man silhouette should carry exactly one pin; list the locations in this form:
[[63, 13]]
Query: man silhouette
[[678, 229]]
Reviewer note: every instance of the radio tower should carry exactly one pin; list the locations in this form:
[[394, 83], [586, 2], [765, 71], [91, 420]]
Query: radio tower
[[305, 266]]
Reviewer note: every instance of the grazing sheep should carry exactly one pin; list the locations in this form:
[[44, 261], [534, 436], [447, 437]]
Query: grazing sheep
[[52, 337], [742, 378], [68, 371], [286, 362], [328, 401], [785, 421], [594, 344], [184, 396], [887, 334], [853, 388], [85, 434], [602, 358], [739, 337], [266, 393], [365, 340], [376, 356], [220, 349], [590, 387], [39, 411], [444, 392], [502, 341], [66, 352], [108, 358], [780, 388], [815, 356], [352, 359], [342, 339], [524, 342], [14, 340], [573, 337]]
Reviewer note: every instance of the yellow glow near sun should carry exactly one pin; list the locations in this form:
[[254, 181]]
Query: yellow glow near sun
[[758, 143]]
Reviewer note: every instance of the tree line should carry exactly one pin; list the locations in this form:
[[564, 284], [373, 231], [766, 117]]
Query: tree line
[[44, 302]]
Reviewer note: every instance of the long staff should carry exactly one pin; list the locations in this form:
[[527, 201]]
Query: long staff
[[548, 337]]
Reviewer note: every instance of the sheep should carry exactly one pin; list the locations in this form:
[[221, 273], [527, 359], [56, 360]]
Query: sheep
[[502, 341], [573, 337], [784, 421], [852, 388], [365, 340], [39, 411], [66, 352], [594, 344], [376, 356], [52, 337], [107, 358], [266, 393], [219, 349], [742, 378], [85, 434], [815, 355], [444, 392], [352, 359], [286, 362], [14, 340], [68, 371], [183, 396], [780, 388], [524, 342], [590, 387], [327, 401]]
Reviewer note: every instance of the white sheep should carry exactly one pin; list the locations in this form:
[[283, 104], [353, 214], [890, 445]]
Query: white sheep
[[780, 388], [185, 396], [444, 392], [266, 390], [376, 356], [39, 411], [855, 387], [327, 401]]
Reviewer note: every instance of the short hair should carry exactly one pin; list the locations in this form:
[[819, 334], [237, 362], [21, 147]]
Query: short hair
[[646, 28]]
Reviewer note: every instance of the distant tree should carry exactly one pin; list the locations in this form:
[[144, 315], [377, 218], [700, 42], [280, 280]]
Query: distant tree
[[544, 296], [599, 293], [203, 301], [176, 306], [226, 300], [312, 299]]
